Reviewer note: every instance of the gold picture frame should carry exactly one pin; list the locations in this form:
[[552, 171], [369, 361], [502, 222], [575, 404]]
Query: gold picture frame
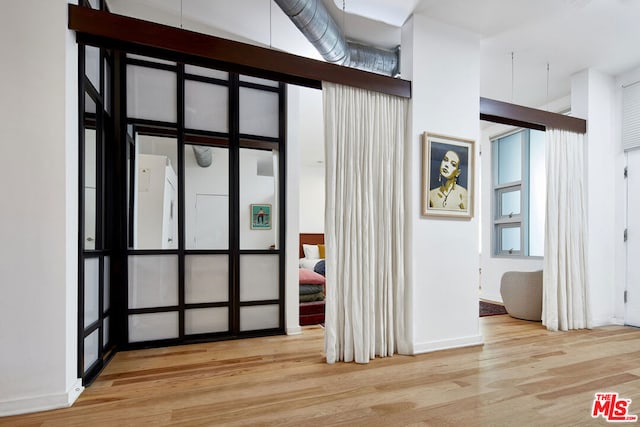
[[447, 176]]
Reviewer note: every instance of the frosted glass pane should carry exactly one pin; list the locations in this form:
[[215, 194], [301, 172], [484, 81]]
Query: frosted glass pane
[[259, 317], [153, 326], [89, 189], [91, 290], [258, 201], [537, 193], [206, 72], [92, 65], [89, 104], [206, 278], [510, 238], [206, 198], [91, 344], [150, 59], [106, 303], [105, 332], [259, 277], [151, 94], [89, 218], [153, 281], [90, 157], [510, 203], [94, 4], [258, 112], [259, 81], [206, 106], [510, 158], [206, 320]]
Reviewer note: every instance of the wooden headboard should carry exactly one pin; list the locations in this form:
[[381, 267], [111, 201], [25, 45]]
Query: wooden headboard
[[310, 239]]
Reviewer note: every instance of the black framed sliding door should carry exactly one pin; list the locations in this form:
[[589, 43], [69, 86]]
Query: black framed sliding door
[[181, 202], [95, 314], [204, 149]]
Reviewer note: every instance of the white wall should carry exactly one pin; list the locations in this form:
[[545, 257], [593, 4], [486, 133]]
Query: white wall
[[444, 64], [248, 21], [292, 286], [38, 294], [256, 189], [593, 97], [312, 173], [312, 199], [210, 183]]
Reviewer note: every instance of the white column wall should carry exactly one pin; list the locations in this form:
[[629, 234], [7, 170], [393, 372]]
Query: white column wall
[[292, 282], [593, 97], [444, 64], [39, 227]]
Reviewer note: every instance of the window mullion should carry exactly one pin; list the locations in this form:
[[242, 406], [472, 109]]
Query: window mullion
[[524, 230]]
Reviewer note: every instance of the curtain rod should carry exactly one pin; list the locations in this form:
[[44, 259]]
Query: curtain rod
[[518, 115]]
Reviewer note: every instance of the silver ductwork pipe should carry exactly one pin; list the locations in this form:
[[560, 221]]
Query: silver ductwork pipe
[[373, 59], [204, 156], [314, 21]]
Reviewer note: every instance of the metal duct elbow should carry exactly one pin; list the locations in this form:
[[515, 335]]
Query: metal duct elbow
[[313, 20], [373, 59], [204, 156]]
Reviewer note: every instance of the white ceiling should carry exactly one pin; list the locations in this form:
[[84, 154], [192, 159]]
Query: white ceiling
[[568, 35]]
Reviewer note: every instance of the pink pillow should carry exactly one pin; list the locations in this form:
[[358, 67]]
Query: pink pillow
[[310, 277]]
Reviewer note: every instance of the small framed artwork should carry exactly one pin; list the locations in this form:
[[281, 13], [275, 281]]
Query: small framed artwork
[[261, 217], [447, 176]]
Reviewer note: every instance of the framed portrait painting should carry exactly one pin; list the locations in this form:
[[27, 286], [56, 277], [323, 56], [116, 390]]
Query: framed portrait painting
[[261, 217], [447, 176]]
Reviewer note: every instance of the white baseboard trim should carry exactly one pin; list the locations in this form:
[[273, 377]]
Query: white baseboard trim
[[42, 403], [595, 323], [617, 321], [428, 347], [294, 331]]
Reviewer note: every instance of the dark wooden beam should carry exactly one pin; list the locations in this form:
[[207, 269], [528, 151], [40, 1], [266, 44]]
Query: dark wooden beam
[[517, 115], [121, 32]]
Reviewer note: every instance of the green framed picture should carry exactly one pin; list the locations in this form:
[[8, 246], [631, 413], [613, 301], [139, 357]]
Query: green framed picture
[[261, 217]]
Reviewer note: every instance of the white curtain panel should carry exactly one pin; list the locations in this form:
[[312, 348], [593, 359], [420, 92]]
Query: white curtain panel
[[565, 303], [364, 226]]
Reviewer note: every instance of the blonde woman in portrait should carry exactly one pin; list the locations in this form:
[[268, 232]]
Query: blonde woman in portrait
[[449, 195]]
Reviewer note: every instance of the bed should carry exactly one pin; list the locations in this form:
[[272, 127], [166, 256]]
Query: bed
[[311, 275]]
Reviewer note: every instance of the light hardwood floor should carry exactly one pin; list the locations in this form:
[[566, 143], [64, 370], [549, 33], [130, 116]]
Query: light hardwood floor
[[523, 375]]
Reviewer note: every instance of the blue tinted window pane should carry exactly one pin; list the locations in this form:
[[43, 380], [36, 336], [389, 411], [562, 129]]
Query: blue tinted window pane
[[537, 192], [510, 158], [510, 238], [510, 203]]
